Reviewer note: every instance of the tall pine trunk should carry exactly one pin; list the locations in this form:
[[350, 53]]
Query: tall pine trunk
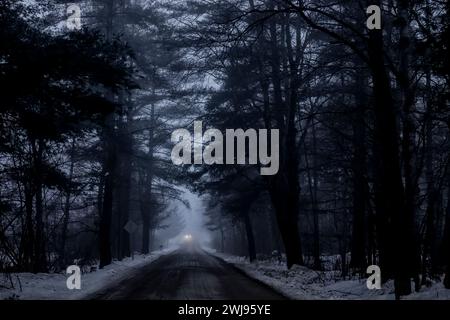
[[109, 162], [27, 240], [251, 247], [446, 240], [284, 187], [146, 201], [360, 193], [40, 256], [125, 149], [109, 166], [66, 219], [407, 101], [392, 219]]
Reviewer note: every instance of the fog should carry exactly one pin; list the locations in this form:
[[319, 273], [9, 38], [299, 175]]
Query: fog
[[194, 219], [186, 217]]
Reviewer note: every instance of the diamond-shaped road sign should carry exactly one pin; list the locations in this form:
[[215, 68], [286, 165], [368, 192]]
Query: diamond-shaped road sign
[[130, 227]]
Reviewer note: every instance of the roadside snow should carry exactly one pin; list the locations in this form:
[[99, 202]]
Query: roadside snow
[[44, 286], [301, 283]]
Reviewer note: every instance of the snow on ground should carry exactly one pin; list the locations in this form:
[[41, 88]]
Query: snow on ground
[[297, 283], [52, 286], [302, 283]]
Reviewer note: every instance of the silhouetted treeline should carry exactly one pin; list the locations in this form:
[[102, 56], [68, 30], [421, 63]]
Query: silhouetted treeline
[[83, 130], [364, 122], [363, 116]]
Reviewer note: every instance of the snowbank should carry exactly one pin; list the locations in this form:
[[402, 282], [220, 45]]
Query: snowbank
[[43, 286], [301, 283]]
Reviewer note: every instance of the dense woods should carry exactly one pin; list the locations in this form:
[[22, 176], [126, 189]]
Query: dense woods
[[363, 115]]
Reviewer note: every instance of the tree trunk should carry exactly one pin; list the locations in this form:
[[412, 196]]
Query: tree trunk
[[408, 98], [446, 236], [359, 225], [283, 187], [316, 228], [146, 200], [393, 227], [446, 241], [222, 240], [287, 224], [124, 191], [275, 239], [66, 219], [250, 236], [28, 236], [145, 233], [109, 164], [108, 190], [40, 257], [429, 244], [312, 183]]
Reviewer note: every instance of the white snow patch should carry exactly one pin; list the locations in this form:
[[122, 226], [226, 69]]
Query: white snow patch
[[52, 286], [301, 283]]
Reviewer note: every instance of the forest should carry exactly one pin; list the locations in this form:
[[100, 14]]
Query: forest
[[88, 108]]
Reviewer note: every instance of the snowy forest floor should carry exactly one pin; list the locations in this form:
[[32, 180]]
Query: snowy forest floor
[[301, 283], [52, 286]]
